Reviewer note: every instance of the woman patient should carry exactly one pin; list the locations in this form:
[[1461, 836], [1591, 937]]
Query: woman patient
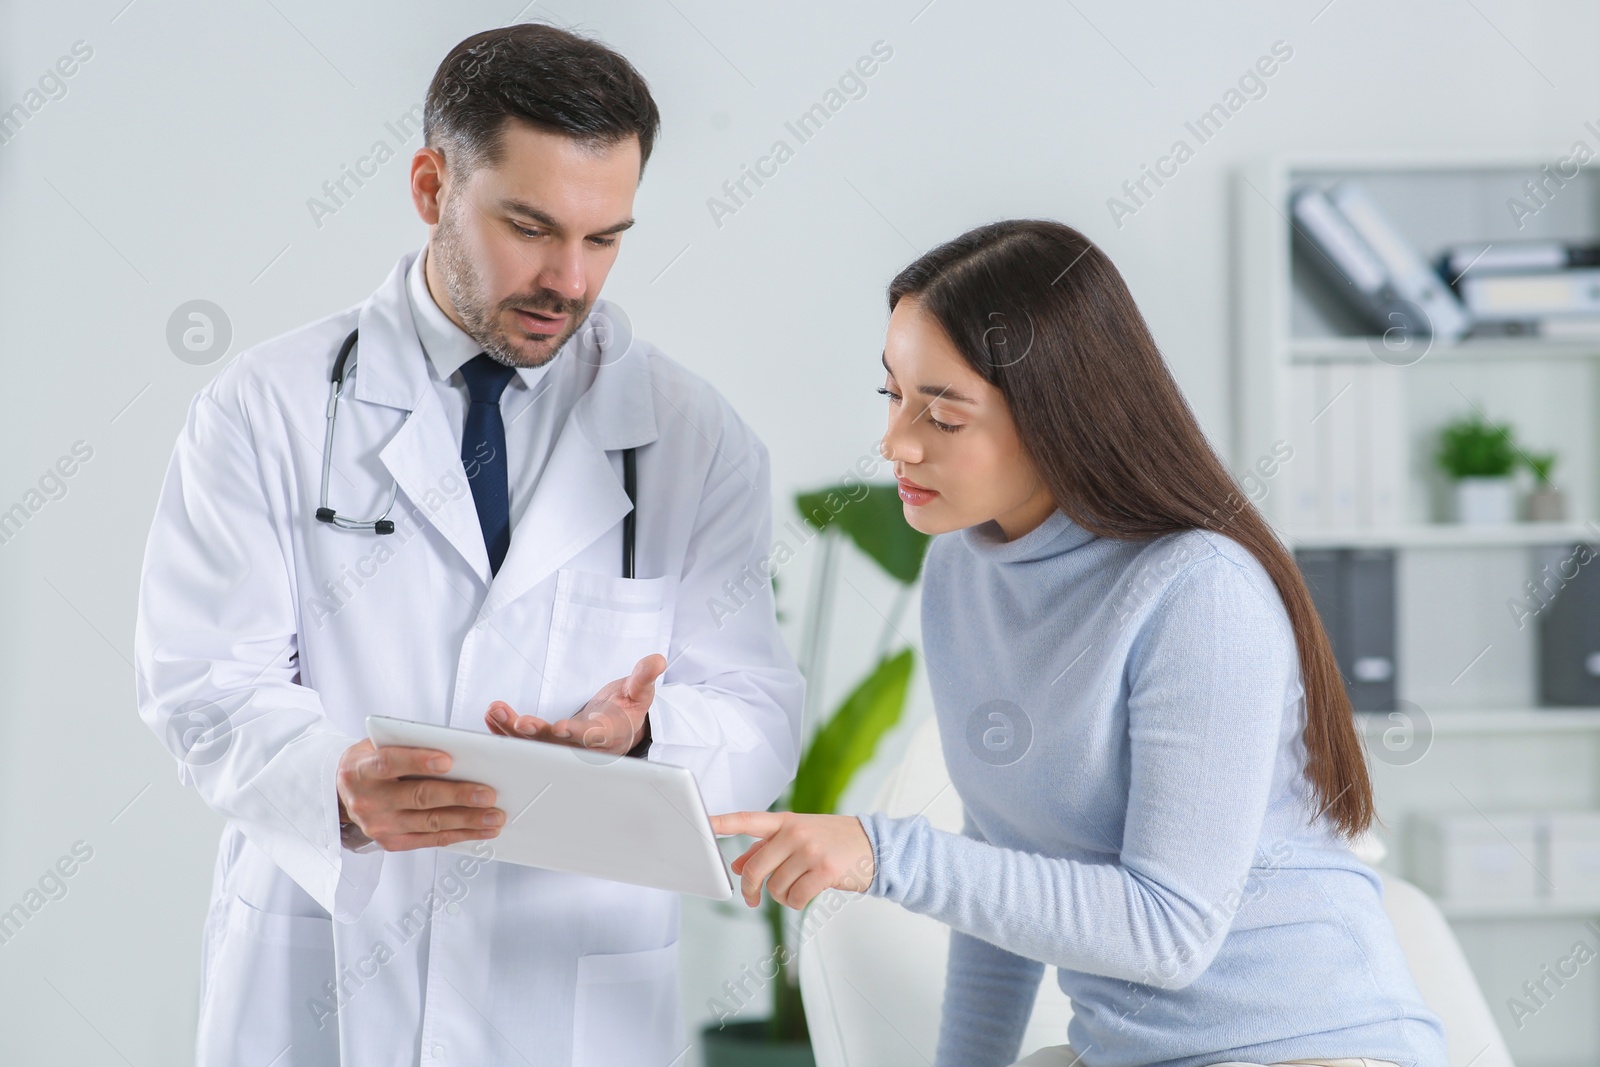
[[1137, 703]]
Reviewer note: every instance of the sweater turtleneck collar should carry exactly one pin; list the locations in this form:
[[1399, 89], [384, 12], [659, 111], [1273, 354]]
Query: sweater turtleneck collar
[[1052, 537]]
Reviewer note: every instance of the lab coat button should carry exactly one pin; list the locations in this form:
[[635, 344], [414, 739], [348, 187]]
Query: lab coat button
[[452, 907], [438, 1052]]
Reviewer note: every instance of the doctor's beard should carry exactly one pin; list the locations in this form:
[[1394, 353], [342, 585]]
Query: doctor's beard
[[466, 291]]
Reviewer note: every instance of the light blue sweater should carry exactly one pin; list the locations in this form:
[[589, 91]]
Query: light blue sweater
[[1122, 722]]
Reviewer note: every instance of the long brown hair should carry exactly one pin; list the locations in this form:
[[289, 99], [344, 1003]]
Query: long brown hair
[[1042, 314]]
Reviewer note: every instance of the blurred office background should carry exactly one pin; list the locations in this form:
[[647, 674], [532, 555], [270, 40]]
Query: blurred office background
[[183, 157]]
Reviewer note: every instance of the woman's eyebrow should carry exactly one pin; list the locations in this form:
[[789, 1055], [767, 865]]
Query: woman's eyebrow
[[938, 392], [945, 392]]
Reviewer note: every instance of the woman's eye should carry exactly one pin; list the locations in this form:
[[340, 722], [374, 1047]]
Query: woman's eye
[[942, 427]]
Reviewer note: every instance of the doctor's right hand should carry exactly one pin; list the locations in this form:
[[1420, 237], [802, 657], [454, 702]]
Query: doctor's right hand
[[387, 793]]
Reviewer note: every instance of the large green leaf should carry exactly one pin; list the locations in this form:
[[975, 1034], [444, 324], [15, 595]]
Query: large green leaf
[[847, 740], [874, 518]]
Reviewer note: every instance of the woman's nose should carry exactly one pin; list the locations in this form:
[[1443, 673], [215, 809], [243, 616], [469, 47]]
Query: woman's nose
[[897, 446]]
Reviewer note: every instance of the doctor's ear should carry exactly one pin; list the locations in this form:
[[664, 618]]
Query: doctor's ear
[[429, 180]]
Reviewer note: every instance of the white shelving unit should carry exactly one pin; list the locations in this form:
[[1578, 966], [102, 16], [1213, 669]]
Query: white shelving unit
[[1462, 657]]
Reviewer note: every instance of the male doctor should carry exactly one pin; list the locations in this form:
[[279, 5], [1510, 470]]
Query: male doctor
[[493, 395]]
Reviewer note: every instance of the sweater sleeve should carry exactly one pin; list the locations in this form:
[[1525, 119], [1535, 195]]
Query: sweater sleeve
[[988, 998], [1209, 675]]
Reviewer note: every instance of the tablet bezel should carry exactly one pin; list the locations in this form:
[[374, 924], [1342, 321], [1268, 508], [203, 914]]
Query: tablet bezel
[[680, 830]]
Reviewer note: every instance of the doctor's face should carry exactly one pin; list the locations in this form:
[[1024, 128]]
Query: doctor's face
[[956, 452], [523, 246]]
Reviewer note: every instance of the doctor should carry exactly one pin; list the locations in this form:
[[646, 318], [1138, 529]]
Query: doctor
[[488, 401]]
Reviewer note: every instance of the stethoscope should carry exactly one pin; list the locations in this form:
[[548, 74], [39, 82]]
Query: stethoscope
[[345, 364]]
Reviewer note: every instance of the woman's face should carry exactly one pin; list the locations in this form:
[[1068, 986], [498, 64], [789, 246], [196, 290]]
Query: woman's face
[[955, 449]]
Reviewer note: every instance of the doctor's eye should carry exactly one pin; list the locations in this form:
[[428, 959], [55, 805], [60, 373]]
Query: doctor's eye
[[527, 232], [603, 242]]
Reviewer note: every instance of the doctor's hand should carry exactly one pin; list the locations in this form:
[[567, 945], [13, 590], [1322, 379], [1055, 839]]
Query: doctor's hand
[[613, 721], [384, 791], [799, 856]]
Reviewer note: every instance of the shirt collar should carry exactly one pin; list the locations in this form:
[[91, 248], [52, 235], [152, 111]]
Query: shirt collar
[[447, 345]]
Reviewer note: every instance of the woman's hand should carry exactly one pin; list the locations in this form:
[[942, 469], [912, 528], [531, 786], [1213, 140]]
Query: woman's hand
[[799, 856]]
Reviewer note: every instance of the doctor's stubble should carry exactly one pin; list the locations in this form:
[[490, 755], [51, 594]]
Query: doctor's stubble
[[465, 287]]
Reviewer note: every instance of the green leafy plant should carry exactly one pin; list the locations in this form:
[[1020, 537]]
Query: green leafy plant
[[871, 517], [1541, 464], [1473, 447]]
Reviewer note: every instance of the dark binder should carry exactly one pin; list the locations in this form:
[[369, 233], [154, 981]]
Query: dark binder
[[1354, 593], [1569, 634], [1368, 657], [1320, 568]]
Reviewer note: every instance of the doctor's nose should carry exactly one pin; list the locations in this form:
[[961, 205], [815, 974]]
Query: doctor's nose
[[563, 272]]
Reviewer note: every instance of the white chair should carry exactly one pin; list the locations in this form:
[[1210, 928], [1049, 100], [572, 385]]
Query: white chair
[[872, 973]]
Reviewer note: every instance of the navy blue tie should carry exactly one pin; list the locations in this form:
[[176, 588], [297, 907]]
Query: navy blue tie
[[483, 453]]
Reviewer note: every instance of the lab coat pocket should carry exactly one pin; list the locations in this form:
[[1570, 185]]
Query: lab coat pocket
[[266, 991], [627, 1009], [600, 626]]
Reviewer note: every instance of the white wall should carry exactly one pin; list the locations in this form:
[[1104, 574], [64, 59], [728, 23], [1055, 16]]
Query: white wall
[[178, 165]]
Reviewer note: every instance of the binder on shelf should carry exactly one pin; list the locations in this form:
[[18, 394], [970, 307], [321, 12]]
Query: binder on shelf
[[1410, 276], [1320, 569], [1348, 426], [1569, 635], [1354, 593], [1350, 242], [1339, 437], [1367, 615], [1504, 298], [1507, 257], [1387, 461], [1337, 252], [1568, 328], [1306, 480]]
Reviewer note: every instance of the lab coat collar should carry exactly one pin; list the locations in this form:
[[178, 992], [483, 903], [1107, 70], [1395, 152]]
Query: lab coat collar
[[579, 496]]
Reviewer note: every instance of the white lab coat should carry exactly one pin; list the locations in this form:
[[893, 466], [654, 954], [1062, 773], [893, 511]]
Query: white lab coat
[[265, 637]]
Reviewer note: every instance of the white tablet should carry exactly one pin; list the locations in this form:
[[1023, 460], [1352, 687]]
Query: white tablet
[[580, 811]]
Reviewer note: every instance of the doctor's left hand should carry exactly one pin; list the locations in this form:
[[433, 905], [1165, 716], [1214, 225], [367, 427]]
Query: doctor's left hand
[[798, 855], [612, 721]]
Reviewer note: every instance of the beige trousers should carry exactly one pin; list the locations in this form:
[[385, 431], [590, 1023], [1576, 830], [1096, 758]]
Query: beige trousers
[[1064, 1056]]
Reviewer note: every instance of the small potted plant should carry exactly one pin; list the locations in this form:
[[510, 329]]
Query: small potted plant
[[1479, 457], [1546, 503]]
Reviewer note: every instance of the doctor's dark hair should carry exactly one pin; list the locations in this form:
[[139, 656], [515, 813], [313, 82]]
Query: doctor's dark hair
[[1041, 313], [543, 76]]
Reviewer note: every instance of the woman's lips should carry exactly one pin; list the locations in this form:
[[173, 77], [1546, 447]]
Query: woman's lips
[[539, 323], [914, 494]]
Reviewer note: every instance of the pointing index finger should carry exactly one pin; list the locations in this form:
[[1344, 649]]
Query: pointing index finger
[[753, 823]]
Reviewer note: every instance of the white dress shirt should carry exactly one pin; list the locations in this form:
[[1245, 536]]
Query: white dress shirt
[[534, 406]]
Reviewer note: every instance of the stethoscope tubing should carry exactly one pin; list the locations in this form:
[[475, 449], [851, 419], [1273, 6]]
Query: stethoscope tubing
[[344, 365]]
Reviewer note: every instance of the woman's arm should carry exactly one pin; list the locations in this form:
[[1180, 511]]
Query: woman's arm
[[1210, 675], [988, 997]]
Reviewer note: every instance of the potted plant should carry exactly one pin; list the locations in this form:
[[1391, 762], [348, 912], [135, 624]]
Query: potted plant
[[1546, 503], [1479, 457], [871, 517]]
